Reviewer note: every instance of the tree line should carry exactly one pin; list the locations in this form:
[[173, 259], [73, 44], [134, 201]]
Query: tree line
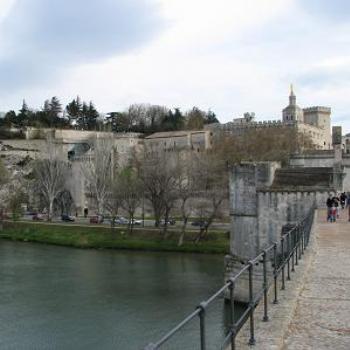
[[176, 183], [179, 184], [81, 115]]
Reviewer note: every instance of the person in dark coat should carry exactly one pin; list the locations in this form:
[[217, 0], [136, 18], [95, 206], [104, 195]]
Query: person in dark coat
[[348, 204], [343, 200], [329, 204]]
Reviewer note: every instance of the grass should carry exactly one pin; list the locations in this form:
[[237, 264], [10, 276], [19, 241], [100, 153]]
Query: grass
[[103, 238]]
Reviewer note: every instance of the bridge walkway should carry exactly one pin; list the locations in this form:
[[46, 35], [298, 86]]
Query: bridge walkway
[[322, 316]]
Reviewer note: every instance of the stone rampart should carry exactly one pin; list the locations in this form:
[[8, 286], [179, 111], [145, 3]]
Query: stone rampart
[[260, 207]]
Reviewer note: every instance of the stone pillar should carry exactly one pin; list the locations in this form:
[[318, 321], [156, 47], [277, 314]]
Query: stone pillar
[[243, 203], [338, 173], [245, 240]]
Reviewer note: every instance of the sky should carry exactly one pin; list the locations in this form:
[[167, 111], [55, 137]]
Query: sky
[[230, 56]]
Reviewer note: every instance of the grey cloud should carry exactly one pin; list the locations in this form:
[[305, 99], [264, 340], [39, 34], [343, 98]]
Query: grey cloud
[[41, 37]]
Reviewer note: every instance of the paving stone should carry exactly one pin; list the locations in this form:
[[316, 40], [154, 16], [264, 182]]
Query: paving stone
[[314, 310]]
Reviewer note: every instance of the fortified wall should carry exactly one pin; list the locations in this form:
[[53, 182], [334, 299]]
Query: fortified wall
[[265, 199]]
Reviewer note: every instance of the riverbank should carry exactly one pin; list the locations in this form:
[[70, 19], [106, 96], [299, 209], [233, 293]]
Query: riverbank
[[119, 238]]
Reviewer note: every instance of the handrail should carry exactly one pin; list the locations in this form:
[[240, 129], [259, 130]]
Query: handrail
[[285, 255]]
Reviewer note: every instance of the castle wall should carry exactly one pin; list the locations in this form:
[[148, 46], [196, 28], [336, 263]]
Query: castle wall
[[258, 215], [179, 140]]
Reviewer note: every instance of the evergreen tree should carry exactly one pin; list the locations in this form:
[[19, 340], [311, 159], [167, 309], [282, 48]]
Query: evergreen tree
[[10, 119], [55, 111], [211, 118], [92, 116], [82, 120], [178, 120], [23, 115], [195, 119], [46, 107], [74, 110]]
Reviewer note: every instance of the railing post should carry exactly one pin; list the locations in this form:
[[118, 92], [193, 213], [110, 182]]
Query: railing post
[[296, 244], [251, 304], [283, 262], [232, 307], [288, 256], [302, 239], [293, 247], [202, 306], [266, 317], [275, 301]]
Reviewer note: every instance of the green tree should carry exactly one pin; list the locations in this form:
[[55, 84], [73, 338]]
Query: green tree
[[10, 118], [91, 117], [23, 115], [173, 121], [74, 110], [211, 118], [195, 119], [55, 109]]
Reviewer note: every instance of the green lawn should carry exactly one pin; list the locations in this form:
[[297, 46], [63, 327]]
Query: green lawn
[[102, 237]]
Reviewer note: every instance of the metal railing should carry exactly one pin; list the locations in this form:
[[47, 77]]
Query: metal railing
[[283, 255]]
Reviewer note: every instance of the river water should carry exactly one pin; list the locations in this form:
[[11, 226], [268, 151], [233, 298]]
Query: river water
[[64, 298]]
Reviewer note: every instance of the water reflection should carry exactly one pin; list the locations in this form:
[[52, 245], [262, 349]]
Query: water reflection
[[63, 298]]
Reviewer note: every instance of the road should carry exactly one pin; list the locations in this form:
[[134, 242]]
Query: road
[[81, 221]]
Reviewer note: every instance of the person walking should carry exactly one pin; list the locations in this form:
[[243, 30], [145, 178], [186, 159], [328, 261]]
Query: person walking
[[334, 213], [343, 200], [329, 204], [348, 205], [336, 202]]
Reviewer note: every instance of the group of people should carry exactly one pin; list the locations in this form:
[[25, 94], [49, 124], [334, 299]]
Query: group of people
[[334, 203]]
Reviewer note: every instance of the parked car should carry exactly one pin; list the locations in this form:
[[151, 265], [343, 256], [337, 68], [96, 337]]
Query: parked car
[[135, 222], [96, 219], [170, 221], [67, 218], [120, 221], [38, 217], [199, 223]]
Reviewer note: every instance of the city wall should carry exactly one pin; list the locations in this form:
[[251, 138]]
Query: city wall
[[260, 209]]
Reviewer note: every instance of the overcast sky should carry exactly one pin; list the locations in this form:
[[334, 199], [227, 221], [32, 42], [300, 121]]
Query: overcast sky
[[230, 56]]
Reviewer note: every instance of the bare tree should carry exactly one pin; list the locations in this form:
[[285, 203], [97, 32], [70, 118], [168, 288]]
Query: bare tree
[[137, 115], [4, 178], [50, 174], [211, 177], [276, 144], [158, 180], [131, 191], [98, 170], [185, 189], [113, 201]]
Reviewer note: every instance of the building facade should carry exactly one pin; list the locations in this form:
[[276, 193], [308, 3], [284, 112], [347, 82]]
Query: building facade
[[313, 122]]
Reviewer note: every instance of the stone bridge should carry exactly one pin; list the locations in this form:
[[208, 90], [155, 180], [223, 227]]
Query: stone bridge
[[314, 310], [265, 200]]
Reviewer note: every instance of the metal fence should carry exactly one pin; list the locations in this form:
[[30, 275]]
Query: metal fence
[[283, 255]]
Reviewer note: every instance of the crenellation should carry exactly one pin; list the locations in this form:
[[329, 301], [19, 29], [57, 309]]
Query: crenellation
[[315, 122]]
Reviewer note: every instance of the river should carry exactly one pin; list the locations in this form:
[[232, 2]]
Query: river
[[65, 298]]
